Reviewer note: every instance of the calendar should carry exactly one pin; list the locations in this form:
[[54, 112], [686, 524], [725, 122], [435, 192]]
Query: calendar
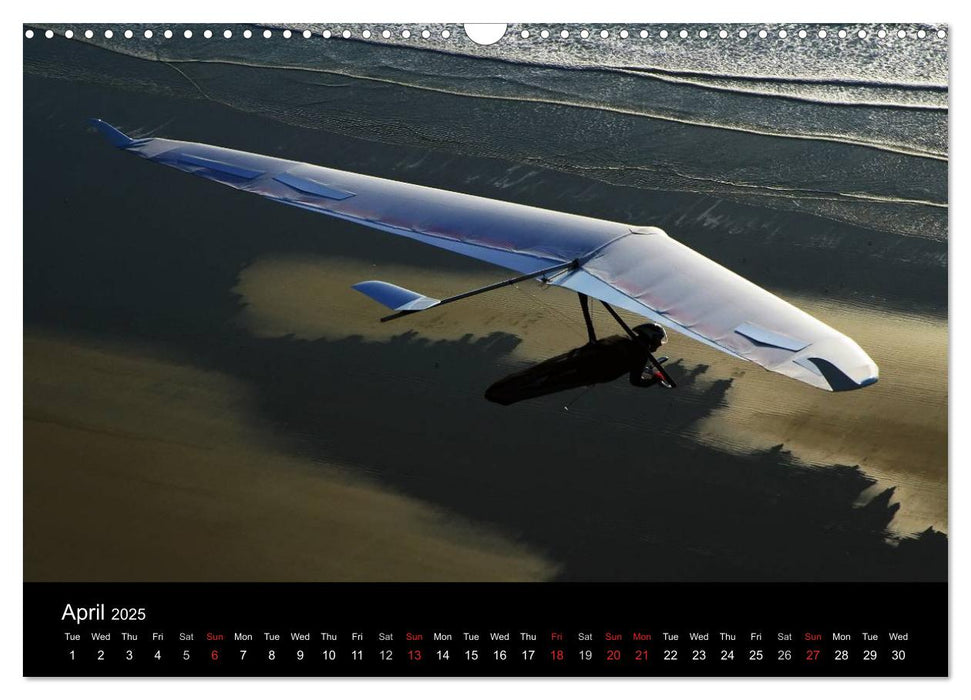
[[538, 349]]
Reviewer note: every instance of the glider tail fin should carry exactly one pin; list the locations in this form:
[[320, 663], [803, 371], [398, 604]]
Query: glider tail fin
[[404, 301], [396, 298]]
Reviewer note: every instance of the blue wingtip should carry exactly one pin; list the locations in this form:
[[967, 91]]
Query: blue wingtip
[[115, 137]]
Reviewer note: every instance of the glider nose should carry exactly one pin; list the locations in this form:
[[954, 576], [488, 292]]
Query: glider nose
[[844, 365]]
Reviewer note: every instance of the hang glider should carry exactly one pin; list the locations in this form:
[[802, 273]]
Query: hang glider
[[636, 268]]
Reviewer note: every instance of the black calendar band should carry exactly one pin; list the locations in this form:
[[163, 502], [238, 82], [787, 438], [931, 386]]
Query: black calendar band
[[550, 629]]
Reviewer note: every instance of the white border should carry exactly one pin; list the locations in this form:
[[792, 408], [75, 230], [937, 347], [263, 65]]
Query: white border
[[708, 11]]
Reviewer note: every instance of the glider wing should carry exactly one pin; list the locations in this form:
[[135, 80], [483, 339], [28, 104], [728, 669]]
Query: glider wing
[[640, 269]]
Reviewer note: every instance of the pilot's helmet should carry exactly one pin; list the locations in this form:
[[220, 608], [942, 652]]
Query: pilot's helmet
[[653, 334]]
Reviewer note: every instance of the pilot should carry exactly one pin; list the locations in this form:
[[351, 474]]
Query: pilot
[[652, 337], [599, 361]]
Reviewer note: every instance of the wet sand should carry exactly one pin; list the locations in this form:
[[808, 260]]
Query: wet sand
[[141, 469], [896, 430]]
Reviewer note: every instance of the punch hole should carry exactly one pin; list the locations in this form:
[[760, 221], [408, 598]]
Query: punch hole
[[485, 34]]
